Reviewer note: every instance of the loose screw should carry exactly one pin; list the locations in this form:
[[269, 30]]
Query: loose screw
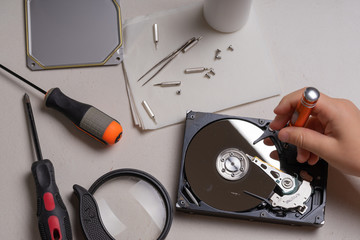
[[217, 54]]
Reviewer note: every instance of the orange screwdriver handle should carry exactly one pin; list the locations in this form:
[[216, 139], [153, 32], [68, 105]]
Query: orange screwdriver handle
[[304, 107], [86, 117]]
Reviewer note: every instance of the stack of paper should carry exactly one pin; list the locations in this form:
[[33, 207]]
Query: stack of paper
[[243, 75]]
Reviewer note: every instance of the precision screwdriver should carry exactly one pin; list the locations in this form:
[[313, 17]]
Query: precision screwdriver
[[304, 107], [86, 117], [53, 218]]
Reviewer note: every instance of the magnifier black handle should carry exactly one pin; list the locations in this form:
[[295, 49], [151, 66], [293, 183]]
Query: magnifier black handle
[[90, 219]]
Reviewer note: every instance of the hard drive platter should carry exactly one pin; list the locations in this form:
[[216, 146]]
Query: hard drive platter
[[226, 170]]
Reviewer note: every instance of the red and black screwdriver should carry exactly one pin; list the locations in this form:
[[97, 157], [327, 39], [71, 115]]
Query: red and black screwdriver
[[86, 117], [53, 218]]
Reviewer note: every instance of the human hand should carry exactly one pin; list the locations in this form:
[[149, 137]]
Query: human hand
[[331, 133]]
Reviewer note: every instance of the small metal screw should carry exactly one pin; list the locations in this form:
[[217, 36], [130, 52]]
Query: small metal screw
[[223, 170], [207, 75], [287, 183], [212, 72], [178, 92], [231, 48], [217, 54]]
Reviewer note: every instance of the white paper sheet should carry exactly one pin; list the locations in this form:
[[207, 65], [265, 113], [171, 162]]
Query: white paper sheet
[[243, 75]]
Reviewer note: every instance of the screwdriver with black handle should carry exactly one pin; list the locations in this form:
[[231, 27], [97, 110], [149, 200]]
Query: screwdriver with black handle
[[53, 218], [86, 117]]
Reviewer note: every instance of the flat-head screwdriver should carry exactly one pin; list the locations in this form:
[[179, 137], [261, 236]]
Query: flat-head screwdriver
[[86, 117], [53, 218]]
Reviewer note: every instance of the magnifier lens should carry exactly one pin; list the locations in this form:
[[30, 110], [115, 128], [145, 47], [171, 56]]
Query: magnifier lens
[[131, 208]]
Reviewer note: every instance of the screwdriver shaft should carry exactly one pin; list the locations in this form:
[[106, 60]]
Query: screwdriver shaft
[[23, 79], [33, 127]]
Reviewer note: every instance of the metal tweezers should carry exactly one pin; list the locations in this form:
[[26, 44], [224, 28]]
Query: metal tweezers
[[165, 61]]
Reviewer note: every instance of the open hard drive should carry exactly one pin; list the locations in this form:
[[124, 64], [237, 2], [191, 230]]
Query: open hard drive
[[226, 170]]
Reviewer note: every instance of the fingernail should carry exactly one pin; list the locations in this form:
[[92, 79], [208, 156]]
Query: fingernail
[[275, 108], [300, 158]]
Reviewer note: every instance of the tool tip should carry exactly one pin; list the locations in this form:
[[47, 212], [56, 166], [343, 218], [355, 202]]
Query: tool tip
[[26, 98]]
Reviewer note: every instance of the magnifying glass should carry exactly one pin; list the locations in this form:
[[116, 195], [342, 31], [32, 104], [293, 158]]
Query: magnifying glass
[[125, 204]]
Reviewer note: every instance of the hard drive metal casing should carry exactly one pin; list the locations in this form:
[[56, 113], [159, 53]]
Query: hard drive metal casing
[[187, 200], [73, 33]]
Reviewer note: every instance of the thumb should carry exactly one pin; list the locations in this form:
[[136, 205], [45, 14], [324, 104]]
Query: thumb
[[307, 139]]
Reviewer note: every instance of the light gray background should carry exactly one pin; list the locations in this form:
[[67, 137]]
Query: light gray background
[[313, 42]]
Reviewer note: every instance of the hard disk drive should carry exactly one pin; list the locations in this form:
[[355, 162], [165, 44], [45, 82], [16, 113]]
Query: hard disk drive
[[226, 170]]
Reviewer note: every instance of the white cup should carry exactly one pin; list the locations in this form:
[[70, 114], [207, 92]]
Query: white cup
[[227, 15]]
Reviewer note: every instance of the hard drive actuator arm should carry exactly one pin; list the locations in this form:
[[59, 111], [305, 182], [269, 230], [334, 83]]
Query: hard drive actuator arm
[[273, 135], [294, 192], [287, 152]]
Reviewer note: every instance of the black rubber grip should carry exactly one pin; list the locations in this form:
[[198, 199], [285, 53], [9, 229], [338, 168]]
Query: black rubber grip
[[90, 219], [71, 108], [53, 218], [84, 116]]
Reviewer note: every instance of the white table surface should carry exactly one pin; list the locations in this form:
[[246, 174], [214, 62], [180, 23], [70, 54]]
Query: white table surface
[[313, 43]]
